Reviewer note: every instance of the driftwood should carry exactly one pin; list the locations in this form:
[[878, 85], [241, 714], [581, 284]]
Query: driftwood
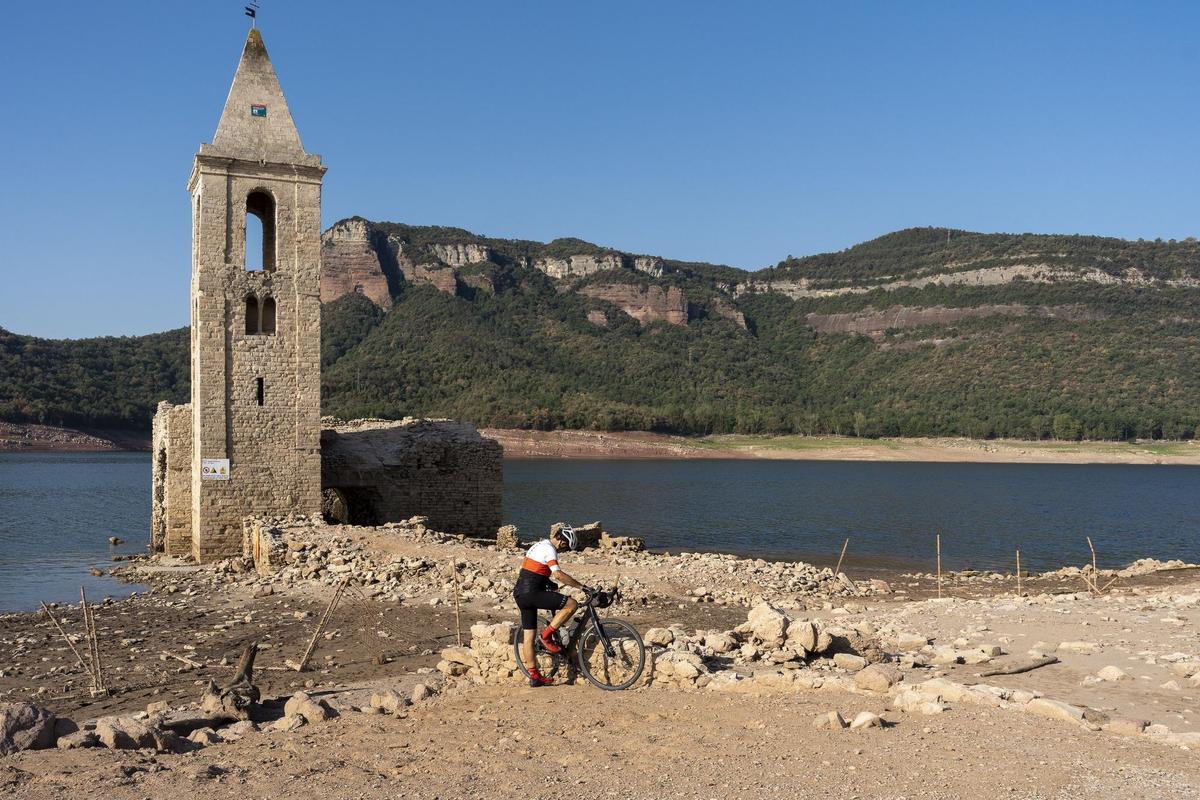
[[184, 659], [233, 701], [1024, 666]]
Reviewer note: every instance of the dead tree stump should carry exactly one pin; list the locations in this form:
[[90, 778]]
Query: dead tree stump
[[234, 700]]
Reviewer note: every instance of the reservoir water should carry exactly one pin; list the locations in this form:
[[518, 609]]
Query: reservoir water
[[58, 510]]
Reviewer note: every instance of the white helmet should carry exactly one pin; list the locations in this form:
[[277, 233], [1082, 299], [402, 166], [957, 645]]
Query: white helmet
[[568, 535]]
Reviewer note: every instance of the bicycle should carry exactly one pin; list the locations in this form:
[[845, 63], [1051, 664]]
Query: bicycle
[[609, 652]]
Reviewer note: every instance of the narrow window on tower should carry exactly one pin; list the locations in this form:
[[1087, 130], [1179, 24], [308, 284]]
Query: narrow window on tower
[[268, 315], [251, 314], [260, 231], [260, 391]]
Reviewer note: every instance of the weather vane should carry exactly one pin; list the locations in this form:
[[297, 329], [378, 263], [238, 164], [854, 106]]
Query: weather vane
[[252, 13]]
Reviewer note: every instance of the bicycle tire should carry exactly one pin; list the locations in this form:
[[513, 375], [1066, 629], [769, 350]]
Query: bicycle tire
[[628, 646], [551, 665]]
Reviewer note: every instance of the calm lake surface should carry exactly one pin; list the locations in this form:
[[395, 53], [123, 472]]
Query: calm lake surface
[[58, 510]]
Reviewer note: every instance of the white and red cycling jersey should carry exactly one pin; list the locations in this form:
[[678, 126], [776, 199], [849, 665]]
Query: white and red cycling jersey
[[541, 559]]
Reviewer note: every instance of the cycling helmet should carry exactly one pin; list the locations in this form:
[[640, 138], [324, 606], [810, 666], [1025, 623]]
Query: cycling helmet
[[568, 535]]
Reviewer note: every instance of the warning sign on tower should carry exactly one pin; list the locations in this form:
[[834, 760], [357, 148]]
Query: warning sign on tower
[[214, 469]]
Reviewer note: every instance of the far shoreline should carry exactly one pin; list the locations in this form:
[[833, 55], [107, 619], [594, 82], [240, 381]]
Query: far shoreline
[[524, 445], [583, 445]]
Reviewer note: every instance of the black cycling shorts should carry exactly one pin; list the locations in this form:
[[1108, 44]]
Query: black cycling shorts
[[530, 602]]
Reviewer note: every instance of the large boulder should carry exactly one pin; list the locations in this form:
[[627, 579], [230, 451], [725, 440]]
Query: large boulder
[[802, 637], [768, 624], [660, 637], [305, 706], [24, 726], [876, 678], [126, 733], [720, 643]]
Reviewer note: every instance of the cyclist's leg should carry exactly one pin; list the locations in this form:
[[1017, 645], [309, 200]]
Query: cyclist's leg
[[527, 649], [564, 613], [528, 629]]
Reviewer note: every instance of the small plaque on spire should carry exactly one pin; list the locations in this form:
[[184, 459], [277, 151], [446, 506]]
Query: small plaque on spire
[[257, 110]]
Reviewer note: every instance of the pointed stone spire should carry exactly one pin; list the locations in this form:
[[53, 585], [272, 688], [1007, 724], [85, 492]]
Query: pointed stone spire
[[256, 124]]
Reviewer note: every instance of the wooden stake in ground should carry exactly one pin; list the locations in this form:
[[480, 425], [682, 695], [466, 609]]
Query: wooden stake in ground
[[70, 644], [1019, 592], [939, 565], [312, 643], [457, 610], [1095, 577], [89, 621], [838, 569]]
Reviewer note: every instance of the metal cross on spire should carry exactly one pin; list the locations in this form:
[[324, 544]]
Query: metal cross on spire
[[252, 13]]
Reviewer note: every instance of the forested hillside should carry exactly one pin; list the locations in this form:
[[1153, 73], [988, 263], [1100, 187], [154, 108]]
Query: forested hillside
[[921, 332]]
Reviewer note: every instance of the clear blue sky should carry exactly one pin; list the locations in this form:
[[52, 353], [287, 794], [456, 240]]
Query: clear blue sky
[[736, 133]]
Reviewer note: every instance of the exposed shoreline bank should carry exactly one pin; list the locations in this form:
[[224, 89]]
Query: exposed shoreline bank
[[564, 444], [521, 444]]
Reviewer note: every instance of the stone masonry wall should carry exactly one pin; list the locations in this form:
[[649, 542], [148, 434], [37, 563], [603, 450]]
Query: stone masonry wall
[[391, 471], [171, 511]]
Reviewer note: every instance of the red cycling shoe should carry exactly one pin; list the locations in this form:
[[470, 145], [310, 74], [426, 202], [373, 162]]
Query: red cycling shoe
[[549, 641]]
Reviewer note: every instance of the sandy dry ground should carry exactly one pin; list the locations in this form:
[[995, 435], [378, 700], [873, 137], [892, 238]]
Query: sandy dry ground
[[582, 743], [590, 444], [493, 742]]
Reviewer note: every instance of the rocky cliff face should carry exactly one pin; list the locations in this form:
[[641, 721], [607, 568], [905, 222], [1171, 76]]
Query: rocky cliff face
[[350, 263], [987, 276], [579, 266], [460, 255], [646, 304]]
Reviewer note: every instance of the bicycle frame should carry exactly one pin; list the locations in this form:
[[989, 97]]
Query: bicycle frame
[[580, 622]]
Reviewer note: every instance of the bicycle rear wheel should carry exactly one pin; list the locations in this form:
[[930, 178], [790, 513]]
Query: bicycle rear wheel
[[618, 668], [552, 666]]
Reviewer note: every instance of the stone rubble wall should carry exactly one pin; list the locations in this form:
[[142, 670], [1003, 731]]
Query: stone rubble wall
[[391, 471]]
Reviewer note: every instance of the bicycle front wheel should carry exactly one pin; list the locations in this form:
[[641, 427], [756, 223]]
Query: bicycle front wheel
[[616, 659]]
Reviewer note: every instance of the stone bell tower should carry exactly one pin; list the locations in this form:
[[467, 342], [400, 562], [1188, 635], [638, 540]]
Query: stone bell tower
[[256, 315]]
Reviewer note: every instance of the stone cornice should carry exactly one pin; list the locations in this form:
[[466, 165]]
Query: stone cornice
[[214, 164]]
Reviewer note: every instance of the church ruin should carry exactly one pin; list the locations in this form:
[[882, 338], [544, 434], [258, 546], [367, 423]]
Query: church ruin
[[250, 441]]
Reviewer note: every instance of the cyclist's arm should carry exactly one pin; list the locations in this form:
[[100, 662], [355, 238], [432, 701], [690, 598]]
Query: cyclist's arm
[[562, 577]]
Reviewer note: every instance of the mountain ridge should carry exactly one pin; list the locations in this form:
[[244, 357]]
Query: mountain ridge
[[920, 332]]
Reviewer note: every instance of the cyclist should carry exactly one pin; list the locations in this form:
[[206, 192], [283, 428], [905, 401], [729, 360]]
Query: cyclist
[[534, 590]]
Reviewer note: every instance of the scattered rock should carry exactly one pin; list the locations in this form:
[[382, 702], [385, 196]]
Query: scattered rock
[[1054, 709], [389, 700], [659, 637], [24, 726], [1127, 727], [126, 733], [876, 677], [305, 706], [849, 662], [1111, 673], [831, 721], [866, 719], [78, 739], [288, 723], [205, 736]]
